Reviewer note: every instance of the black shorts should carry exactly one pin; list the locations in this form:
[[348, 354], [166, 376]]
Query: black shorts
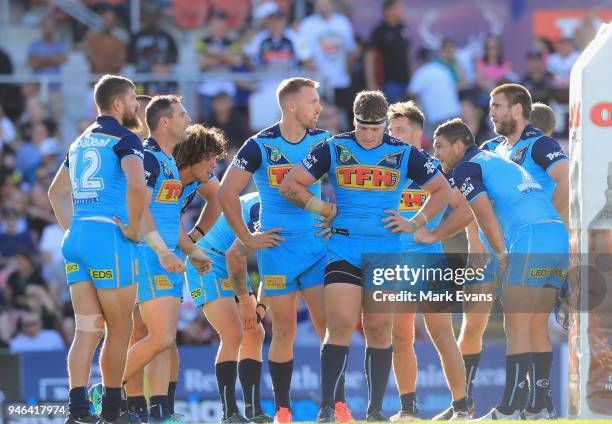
[[343, 272]]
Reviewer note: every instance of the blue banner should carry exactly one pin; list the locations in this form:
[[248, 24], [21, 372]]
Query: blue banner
[[44, 378]]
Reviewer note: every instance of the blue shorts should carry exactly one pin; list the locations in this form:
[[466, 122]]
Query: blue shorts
[[350, 249], [211, 286], [98, 252], [153, 280], [538, 256], [297, 264]]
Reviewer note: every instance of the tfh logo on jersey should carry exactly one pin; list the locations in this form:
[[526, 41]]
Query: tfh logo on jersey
[[412, 200], [519, 156], [276, 173], [169, 192], [365, 177]]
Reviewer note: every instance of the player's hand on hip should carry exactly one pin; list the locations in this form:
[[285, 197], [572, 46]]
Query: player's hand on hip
[[424, 236], [398, 224], [248, 314], [128, 232], [170, 262], [260, 240], [478, 256], [200, 261], [325, 225]]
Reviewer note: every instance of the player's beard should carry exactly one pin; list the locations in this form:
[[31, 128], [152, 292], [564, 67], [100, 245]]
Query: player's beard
[[132, 122], [506, 128]]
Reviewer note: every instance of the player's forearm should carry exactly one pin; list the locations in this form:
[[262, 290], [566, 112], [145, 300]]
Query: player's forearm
[[236, 262], [185, 244], [62, 208], [136, 199], [230, 204], [437, 201], [209, 214], [492, 231], [456, 221], [295, 192], [471, 232]]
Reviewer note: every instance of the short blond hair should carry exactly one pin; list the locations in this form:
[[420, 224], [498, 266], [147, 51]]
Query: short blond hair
[[543, 117], [291, 86], [371, 105], [408, 110]]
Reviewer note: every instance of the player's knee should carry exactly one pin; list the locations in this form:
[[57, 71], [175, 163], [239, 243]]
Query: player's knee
[[403, 338], [283, 331], [254, 336], [471, 333], [231, 337], [90, 324], [162, 341], [340, 327], [377, 333]]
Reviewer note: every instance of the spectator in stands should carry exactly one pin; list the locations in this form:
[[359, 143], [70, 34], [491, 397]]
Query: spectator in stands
[[35, 113], [45, 57], [7, 129], [433, 85], [446, 56], [544, 45], [329, 37], [476, 119], [538, 80], [330, 118], [153, 50], [492, 67], [11, 100], [39, 211], [586, 31], [53, 270], [217, 52], [29, 154], [230, 121], [560, 63], [388, 52], [14, 234], [32, 337], [276, 47], [105, 52]]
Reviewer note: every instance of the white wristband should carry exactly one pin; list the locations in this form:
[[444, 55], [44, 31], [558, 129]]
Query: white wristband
[[315, 205], [155, 242], [501, 255]]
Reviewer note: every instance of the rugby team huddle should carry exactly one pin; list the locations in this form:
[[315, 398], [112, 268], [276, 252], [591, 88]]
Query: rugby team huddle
[[123, 186]]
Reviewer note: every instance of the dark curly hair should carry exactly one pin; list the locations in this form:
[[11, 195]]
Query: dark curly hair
[[201, 143]]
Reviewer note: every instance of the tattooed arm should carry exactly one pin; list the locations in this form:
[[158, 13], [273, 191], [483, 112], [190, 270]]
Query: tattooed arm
[[236, 260], [295, 189]]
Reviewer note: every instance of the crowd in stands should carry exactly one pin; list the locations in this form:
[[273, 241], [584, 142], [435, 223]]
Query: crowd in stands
[[282, 38]]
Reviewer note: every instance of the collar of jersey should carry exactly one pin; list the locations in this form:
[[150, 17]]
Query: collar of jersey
[[108, 120], [469, 154], [277, 131], [535, 132]]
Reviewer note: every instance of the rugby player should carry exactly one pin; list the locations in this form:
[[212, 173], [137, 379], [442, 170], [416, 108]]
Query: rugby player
[[98, 197], [543, 158], [298, 264], [160, 269], [543, 117], [525, 232], [241, 335], [406, 123], [368, 170], [195, 158]]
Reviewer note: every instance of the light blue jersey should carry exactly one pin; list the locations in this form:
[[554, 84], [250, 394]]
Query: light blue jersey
[[99, 185], [536, 153], [216, 284], [366, 182], [94, 248]]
